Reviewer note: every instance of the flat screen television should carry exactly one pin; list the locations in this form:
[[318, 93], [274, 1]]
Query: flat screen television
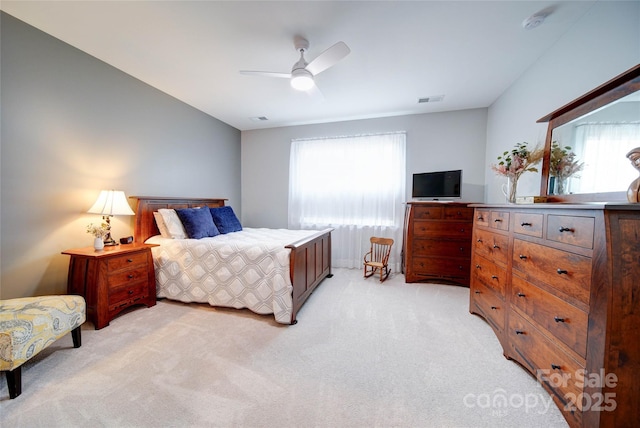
[[437, 185]]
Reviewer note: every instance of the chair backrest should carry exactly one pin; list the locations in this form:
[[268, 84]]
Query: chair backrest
[[380, 249]]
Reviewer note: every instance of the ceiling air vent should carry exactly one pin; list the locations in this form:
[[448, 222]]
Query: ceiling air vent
[[259, 118], [431, 99]]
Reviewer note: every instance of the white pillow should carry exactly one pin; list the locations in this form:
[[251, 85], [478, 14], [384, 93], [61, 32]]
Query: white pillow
[[162, 227], [173, 223]]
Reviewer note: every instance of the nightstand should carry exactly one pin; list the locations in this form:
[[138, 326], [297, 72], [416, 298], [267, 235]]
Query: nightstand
[[112, 279]]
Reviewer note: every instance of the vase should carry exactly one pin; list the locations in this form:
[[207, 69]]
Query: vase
[[98, 243], [509, 190], [561, 185]]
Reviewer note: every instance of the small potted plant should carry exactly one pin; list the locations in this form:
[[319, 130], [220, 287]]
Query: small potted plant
[[98, 232]]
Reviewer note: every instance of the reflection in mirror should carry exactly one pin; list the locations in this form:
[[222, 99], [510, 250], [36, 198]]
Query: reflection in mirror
[[589, 154]]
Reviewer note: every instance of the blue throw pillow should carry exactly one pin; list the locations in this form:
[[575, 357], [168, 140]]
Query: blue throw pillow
[[197, 222], [225, 220]]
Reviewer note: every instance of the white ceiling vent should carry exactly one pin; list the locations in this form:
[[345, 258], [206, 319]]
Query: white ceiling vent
[[431, 99], [259, 118]]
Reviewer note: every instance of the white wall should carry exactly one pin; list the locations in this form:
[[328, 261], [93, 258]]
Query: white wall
[[437, 141], [73, 125], [603, 44]]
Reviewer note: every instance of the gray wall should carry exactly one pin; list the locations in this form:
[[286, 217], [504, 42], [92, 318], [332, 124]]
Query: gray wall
[[603, 44], [435, 142], [72, 125]]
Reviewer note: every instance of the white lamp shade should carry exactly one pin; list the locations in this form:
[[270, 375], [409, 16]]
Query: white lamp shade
[[111, 202], [301, 79]]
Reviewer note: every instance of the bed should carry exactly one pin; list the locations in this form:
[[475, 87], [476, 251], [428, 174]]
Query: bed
[[307, 258]]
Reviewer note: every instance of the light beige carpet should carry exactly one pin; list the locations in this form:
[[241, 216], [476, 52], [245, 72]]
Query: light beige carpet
[[362, 355]]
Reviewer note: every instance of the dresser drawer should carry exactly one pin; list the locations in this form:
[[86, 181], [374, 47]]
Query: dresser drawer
[[488, 273], [559, 318], [571, 230], [458, 213], [546, 361], [128, 276], [567, 272], [427, 213], [489, 305], [442, 266], [126, 261], [126, 296], [528, 224], [442, 229], [438, 247], [499, 220], [491, 245], [482, 217]]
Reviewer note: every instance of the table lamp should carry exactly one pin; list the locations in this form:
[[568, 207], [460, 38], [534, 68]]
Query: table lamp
[[110, 203]]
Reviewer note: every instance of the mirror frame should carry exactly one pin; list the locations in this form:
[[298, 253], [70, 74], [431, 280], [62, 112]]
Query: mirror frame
[[616, 88]]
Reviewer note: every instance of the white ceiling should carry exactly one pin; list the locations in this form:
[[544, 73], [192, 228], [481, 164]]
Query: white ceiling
[[468, 51]]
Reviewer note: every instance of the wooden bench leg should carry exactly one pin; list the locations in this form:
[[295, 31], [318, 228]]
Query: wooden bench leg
[[14, 381], [77, 337]]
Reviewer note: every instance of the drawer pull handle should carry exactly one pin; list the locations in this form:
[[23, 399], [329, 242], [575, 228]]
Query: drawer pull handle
[[558, 319], [479, 240], [129, 260], [494, 277], [562, 272], [459, 213], [130, 291], [523, 224], [462, 249], [477, 292], [522, 257], [462, 230], [555, 367], [496, 246], [521, 295], [565, 229], [498, 220], [130, 276], [480, 218], [493, 308], [478, 267], [519, 332]]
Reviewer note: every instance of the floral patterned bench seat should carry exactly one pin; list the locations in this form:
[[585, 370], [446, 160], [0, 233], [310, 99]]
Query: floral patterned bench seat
[[30, 324]]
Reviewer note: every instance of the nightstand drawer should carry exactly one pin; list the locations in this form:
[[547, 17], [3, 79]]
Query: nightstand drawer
[[127, 296], [126, 261], [492, 245], [130, 276]]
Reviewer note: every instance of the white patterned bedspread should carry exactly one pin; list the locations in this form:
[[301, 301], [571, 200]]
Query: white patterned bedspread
[[246, 269]]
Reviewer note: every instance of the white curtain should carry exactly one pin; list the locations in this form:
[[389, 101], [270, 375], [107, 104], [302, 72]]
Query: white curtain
[[355, 185], [602, 147]]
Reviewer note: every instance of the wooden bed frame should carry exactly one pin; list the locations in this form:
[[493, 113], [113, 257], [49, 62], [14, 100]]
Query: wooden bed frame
[[310, 259]]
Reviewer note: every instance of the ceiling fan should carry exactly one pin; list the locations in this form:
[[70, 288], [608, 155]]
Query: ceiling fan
[[303, 73]]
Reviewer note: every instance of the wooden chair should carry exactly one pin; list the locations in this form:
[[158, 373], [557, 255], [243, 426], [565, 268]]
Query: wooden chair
[[378, 257]]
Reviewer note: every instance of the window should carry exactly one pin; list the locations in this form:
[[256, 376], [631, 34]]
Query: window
[[355, 185]]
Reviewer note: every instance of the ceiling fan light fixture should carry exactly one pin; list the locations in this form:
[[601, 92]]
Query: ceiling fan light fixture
[[301, 80]]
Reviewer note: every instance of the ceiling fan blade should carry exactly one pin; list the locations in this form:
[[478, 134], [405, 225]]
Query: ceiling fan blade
[[328, 58], [266, 73], [315, 93]]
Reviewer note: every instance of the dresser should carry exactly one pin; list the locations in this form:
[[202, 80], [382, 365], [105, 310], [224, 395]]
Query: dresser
[[560, 286], [437, 242], [112, 280]]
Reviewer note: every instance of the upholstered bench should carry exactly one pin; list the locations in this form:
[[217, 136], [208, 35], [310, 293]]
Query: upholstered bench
[[30, 324]]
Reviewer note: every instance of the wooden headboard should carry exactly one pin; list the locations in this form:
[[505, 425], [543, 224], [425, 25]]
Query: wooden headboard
[[145, 226]]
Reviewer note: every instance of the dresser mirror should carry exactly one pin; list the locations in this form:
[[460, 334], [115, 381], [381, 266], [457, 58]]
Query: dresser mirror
[[587, 142]]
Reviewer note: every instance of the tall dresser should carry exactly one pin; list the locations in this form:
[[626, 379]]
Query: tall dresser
[[560, 286], [437, 242]]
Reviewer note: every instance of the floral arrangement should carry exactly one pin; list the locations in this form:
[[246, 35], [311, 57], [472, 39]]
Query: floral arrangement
[[563, 161], [98, 231], [520, 159]]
